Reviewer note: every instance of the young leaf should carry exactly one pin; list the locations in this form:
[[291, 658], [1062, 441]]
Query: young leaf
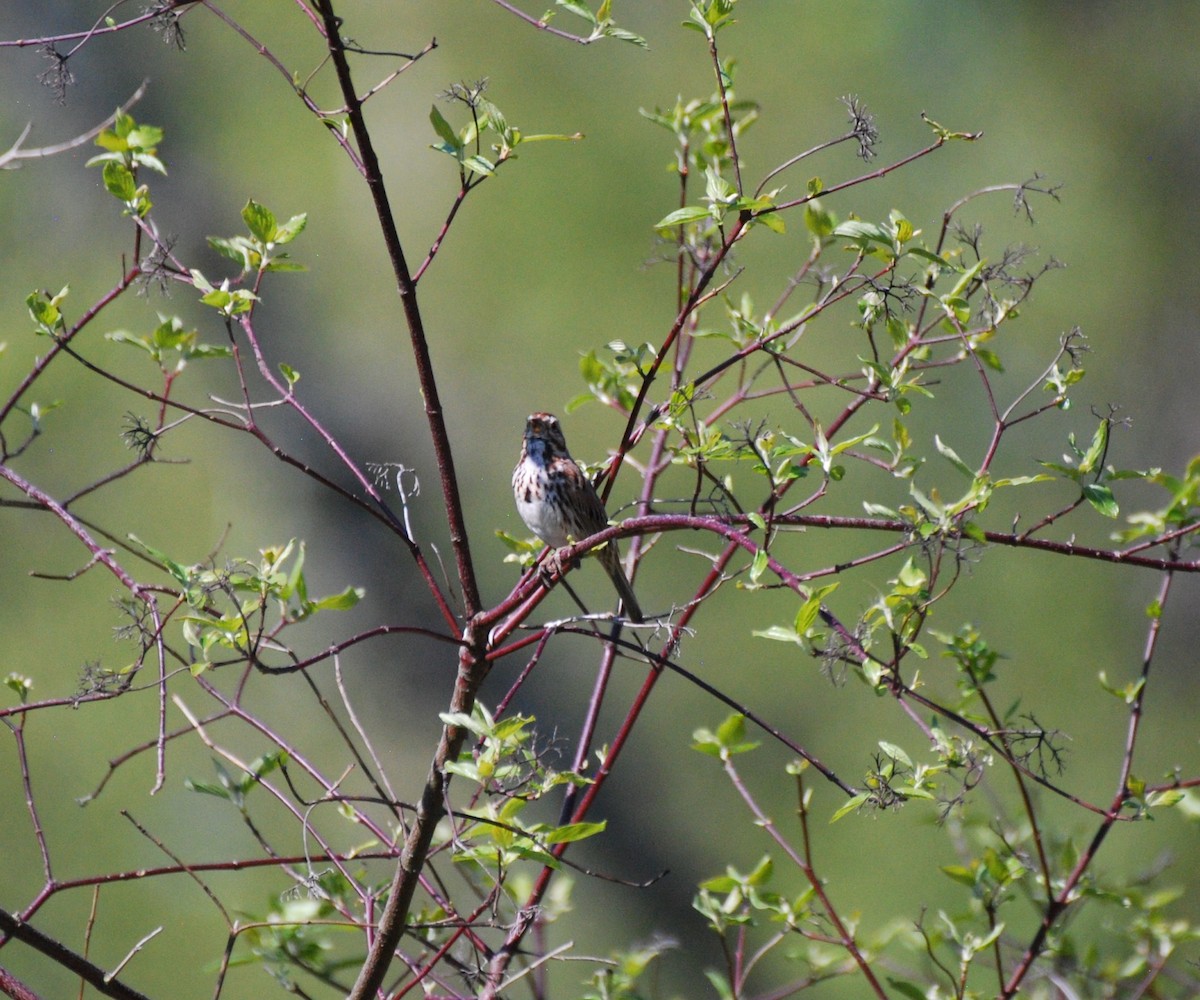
[[1101, 497], [292, 228], [260, 221], [682, 216], [340, 602], [950, 454], [444, 130], [574, 831], [853, 803], [119, 181], [896, 753], [758, 565]]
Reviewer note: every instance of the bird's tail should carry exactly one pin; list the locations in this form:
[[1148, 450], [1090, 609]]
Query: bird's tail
[[612, 565]]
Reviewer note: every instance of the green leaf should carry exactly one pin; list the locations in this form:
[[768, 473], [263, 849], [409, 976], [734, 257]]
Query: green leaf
[[772, 220], [762, 872], [180, 572], [549, 137], [44, 311], [806, 617], [292, 228], [973, 531], [465, 769], [574, 831], [20, 684], [119, 181], [626, 36], [819, 222], [1041, 477], [905, 988], [682, 216], [989, 358], [230, 303], [205, 788], [779, 634], [732, 730], [930, 256], [958, 307], [719, 984], [949, 453], [729, 738], [480, 164], [853, 803], [911, 575], [859, 231], [340, 602], [1095, 452], [144, 137], [1129, 693], [264, 765], [1101, 497], [758, 565], [932, 509], [723, 884], [896, 753], [444, 129], [967, 277], [961, 874], [1165, 798], [492, 117], [260, 221], [944, 133], [238, 249], [578, 8]]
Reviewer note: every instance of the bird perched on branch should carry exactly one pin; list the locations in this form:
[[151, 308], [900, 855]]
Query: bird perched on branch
[[558, 502]]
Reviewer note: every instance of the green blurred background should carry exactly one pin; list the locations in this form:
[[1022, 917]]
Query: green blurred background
[[548, 260]]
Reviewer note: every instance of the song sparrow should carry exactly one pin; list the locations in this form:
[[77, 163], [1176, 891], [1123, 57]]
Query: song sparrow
[[558, 502]]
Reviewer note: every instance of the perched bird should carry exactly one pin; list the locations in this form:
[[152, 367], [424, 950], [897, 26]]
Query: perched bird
[[558, 502]]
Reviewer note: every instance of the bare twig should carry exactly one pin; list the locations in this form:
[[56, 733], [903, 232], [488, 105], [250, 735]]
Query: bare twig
[[15, 153]]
